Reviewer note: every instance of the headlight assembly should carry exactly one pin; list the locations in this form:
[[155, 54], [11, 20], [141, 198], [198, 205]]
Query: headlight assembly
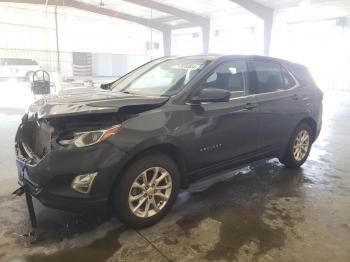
[[82, 139]]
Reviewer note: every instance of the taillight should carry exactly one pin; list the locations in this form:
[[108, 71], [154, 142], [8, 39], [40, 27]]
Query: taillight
[[321, 92]]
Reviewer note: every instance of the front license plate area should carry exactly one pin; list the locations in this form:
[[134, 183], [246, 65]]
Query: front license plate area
[[30, 206], [20, 172]]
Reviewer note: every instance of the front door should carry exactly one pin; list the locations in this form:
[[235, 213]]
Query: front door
[[224, 131]]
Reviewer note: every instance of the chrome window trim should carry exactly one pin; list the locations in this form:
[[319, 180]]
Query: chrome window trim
[[297, 85], [252, 95]]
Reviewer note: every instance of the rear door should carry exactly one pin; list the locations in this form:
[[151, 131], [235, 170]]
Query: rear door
[[225, 130], [277, 94]]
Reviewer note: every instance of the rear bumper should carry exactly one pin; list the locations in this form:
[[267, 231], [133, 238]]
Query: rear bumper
[[50, 180], [318, 131], [319, 123]]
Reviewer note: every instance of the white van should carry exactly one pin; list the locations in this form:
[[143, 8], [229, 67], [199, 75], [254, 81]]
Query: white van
[[18, 68]]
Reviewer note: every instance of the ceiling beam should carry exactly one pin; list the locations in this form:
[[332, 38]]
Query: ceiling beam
[[263, 12], [166, 19], [190, 17], [182, 26], [256, 8], [97, 10]]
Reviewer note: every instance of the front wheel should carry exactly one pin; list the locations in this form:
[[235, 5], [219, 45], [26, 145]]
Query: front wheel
[[146, 191], [299, 147]]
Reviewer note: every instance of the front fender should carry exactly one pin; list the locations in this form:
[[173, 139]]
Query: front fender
[[157, 143]]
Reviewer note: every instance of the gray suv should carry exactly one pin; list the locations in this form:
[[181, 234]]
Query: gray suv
[[132, 144]]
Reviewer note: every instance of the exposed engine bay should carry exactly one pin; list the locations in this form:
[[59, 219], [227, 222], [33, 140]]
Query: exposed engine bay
[[72, 120], [36, 138]]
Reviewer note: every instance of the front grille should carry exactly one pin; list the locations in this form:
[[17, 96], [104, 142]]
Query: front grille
[[41, 139]]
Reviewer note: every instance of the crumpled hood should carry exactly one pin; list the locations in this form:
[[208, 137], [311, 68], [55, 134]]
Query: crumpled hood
[[80, 101]]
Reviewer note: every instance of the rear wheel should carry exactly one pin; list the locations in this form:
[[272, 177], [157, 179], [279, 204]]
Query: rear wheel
[[299, 146], [146, 191]]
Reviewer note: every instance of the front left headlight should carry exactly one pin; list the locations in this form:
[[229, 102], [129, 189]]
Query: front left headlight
[[82, 139]]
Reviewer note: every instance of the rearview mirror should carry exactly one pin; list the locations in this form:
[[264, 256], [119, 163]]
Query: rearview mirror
[[211, 95], [41, 83]]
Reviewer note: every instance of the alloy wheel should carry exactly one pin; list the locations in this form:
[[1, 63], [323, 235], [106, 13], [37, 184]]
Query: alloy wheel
[[150, 192], [301, 145]]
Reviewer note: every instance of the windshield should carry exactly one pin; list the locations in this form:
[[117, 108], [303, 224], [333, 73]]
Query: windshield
[[165, 78]]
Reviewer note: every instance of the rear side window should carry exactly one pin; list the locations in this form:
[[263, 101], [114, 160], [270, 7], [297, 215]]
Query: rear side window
[[289, 81], [266, 77], [302, 74]]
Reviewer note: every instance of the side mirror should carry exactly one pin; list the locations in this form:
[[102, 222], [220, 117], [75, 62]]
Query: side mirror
[[211, 95], [41, 83]]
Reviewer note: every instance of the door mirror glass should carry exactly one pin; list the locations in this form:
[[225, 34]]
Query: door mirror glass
[[41, 83], [211, 94]]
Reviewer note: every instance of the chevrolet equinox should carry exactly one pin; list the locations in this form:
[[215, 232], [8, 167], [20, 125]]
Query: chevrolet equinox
[[132, 144]]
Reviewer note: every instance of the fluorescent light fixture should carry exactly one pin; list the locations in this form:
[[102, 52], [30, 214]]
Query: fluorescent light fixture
[[305, 3]]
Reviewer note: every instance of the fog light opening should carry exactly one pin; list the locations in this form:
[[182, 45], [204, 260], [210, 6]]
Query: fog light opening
[[83, 183]]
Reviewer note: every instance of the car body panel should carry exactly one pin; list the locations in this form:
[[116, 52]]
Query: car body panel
[[88, 101]]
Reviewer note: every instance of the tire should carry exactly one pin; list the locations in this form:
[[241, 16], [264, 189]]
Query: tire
[[291, 159], [125, 189], [29, 76]]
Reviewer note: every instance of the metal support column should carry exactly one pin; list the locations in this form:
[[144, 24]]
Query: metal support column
[[57, 43], [263, 12], [206, 37], [268, 22], [167, 42]]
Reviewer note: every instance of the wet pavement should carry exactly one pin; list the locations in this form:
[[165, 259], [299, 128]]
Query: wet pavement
[[263, 213]]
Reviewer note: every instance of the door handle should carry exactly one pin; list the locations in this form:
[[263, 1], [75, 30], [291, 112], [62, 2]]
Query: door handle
[[295, 97], [250, 106]]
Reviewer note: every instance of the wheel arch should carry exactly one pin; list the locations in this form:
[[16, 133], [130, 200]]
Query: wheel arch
[[175, 154], [312, 123], [168, 149], [308, 120]]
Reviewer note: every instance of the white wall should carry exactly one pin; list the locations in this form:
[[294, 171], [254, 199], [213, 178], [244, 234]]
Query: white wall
[[29, 31], [115, 65], [241, 34], [311, 36]]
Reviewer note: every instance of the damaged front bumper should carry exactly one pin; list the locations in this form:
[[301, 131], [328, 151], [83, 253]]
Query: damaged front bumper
[[49, 180]]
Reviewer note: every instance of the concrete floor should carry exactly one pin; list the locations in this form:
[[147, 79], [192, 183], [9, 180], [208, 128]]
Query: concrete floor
[[265, 213]]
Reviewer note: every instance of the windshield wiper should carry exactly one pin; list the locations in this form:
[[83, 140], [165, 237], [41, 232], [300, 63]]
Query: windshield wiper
[[130, 93]]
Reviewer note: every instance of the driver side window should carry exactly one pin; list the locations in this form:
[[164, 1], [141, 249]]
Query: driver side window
[[230, 76]]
